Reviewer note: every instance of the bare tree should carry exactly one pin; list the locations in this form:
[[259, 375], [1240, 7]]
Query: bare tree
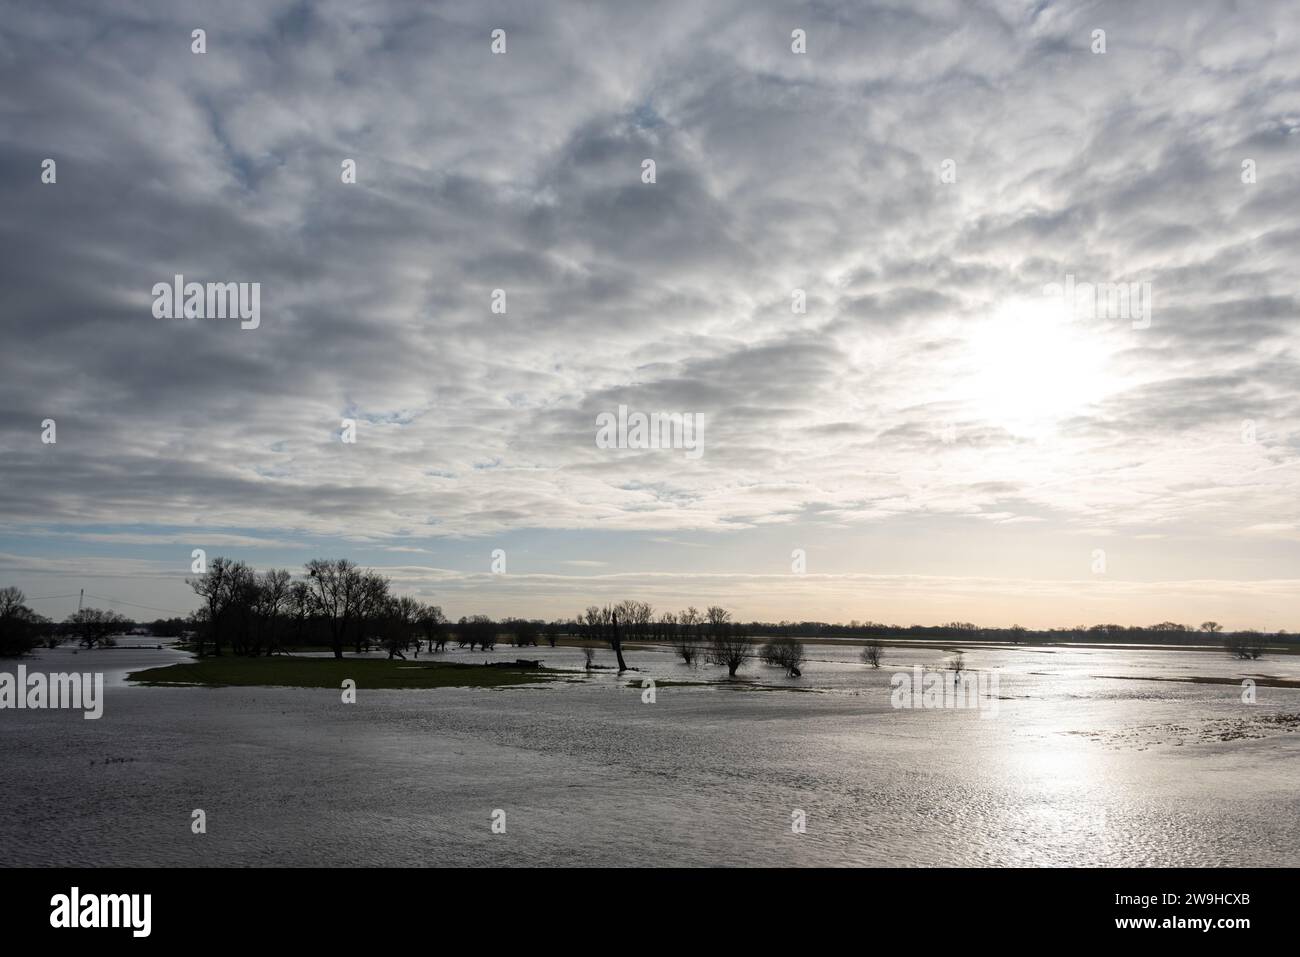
[[221, 587], [603, 625], [11, 600], [272, 600], [299, 608], [871, 653], [787, 653], [96, 627], [690, 621], [477, 631], [433, 626], [719, 619], [636, 617], [398, 619], [687, 648], [523, 631], [337, 589], [730, 650], [371, 608], [727, 645], [21, 629], [686, 641], [1245, 645]]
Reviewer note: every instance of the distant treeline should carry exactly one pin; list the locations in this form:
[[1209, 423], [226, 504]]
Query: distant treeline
[[1166, 632], [336, 604]]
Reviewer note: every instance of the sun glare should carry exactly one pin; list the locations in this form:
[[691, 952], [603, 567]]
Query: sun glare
[[1025, 369]]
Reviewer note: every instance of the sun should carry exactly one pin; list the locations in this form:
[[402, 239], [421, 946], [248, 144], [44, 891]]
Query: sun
[[1024, 368]]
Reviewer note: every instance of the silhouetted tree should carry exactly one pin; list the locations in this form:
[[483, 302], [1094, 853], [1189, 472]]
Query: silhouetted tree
[[337, 592], [1245, 645], [603, 625], [272, 601], [787, 653], [477, 631], [21, 629], [523, 631], [224, 587], [95, 627], [433, 626], [397, 620], [871, 653], [727, 645], [371, 607]]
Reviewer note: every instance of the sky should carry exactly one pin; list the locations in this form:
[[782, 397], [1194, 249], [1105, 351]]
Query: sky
[[849, 265]]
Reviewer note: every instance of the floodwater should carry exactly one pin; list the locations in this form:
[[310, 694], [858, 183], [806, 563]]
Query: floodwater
[[1087, 761]]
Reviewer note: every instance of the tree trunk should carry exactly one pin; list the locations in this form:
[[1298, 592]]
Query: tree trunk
[[616, 643]]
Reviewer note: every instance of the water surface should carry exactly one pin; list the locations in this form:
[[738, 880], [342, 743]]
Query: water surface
[[1081, 766]]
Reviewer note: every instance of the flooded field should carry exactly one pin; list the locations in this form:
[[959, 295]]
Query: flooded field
[[1090, 758]]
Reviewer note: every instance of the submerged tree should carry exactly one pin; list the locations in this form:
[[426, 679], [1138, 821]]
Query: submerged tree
[[433, 626], [787, 653], [397, 623], [871, 653], [96, 627], [728, 645], [523, 631], [476, 631], [603, 625], [1245, 645], [687, 647]]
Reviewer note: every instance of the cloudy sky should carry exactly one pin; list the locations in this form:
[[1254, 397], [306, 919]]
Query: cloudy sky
[[936, 433]]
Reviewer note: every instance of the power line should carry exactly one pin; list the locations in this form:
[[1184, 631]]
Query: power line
[[107, 598], [136, 604]]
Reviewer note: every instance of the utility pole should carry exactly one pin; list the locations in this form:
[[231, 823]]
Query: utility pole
[[81, 599]]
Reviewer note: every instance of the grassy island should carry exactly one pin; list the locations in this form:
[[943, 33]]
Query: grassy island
[[368, 673]]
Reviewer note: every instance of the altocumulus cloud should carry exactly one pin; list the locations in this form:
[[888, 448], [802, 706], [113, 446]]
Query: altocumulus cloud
[[923, 383]]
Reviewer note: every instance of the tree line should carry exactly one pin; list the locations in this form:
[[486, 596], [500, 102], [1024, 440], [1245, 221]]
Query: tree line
[[1166, 632], [338, 605]]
